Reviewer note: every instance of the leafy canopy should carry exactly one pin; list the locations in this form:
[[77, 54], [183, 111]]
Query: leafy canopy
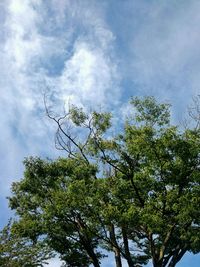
[[134, 194], [17, 251]]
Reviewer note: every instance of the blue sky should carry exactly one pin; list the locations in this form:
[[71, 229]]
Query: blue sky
[[90, 53]]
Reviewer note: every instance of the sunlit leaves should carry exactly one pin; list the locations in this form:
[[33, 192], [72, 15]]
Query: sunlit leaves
[[136, 189]]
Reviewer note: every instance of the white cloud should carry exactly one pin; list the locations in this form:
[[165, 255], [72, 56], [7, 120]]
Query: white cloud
[[54, 263], [23, 42], [63, 44], [165, 50], [88, 76]]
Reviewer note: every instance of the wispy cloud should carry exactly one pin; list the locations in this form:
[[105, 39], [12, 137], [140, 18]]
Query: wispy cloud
[[89, 73], [62, 46], [158, 48], [69, 48], [83, 51], [88, 77], [165, 50]]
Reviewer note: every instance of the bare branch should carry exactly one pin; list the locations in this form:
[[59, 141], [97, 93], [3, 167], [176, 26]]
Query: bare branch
[[194, 111], [60, 130]]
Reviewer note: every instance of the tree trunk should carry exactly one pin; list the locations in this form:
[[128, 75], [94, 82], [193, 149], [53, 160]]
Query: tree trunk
[[170, 260], [87, 243], [126, 248], [177, 257], [91, 253], [94, 259], [117, 257], [115, 246]]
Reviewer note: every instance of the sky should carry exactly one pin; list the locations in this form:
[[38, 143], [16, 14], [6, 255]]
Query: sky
[[93, 54]]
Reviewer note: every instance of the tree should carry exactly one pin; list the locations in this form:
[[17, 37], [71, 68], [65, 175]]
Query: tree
[[16, 251], [135, 194]]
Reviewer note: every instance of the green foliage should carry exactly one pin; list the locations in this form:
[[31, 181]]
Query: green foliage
[[17, 251], [135, 194], [50, 200], [101, 121], [77, 115], [151, 112]]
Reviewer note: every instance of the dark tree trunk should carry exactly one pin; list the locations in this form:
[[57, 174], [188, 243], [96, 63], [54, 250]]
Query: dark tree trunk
[[90, 251], [117, 257], [87, 243], [94, 259], [115, 247], [171, 260], [126, 248], [176, 257]]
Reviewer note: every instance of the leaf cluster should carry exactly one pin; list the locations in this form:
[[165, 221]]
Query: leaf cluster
[[134, 194]]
